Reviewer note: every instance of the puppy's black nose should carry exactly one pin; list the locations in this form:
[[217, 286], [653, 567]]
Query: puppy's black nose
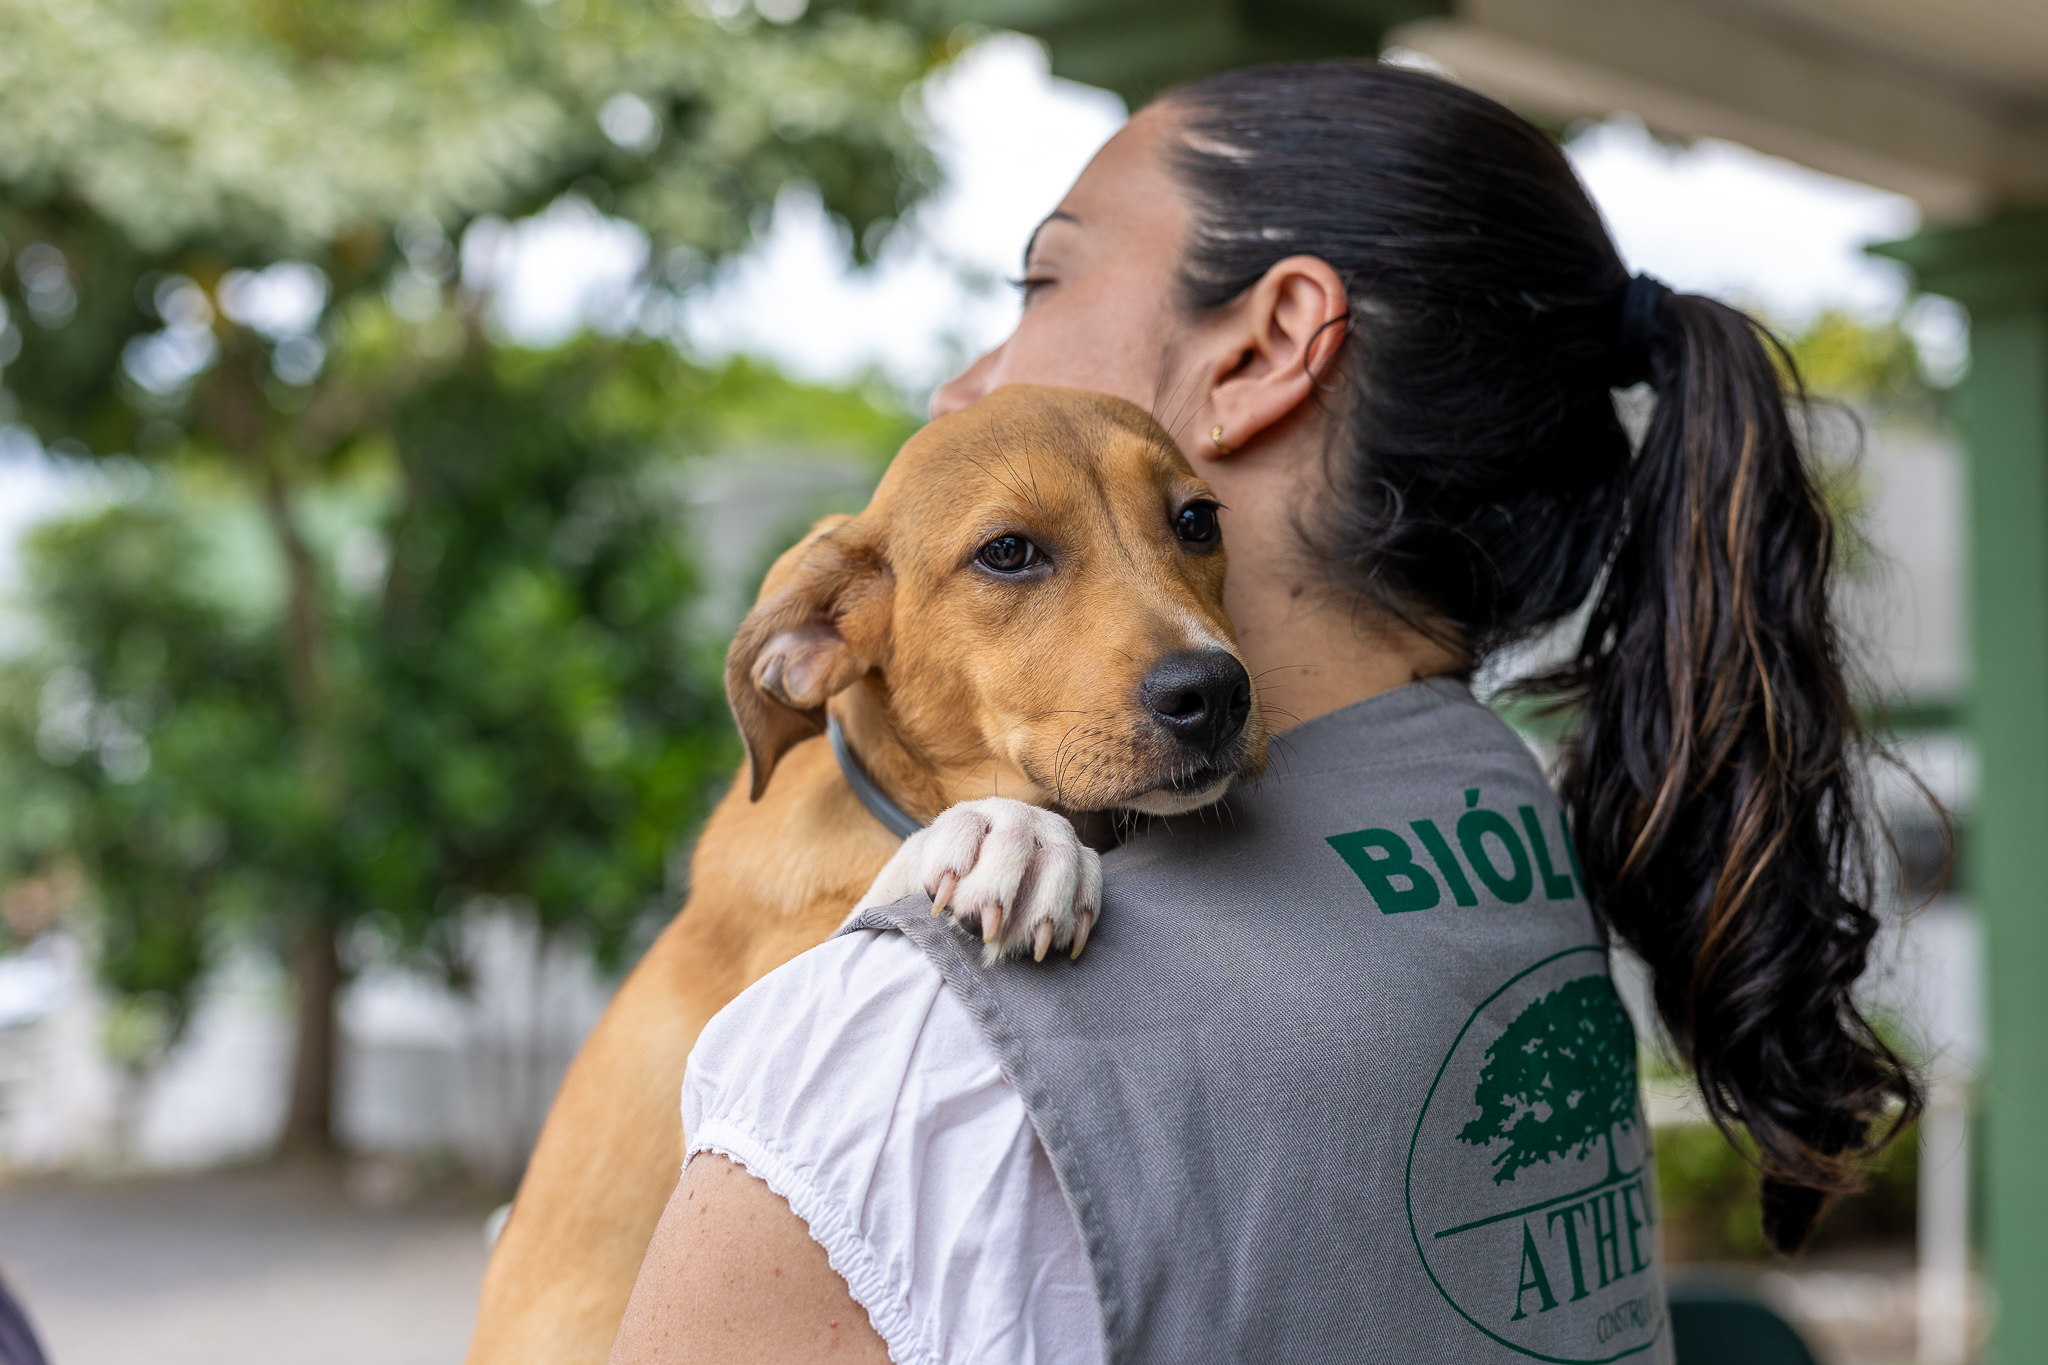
[[1201, 697]]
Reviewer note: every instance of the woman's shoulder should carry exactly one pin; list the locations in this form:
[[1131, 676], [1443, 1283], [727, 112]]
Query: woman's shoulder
[[859, 1087], [856, 1028], [837, 1018], [1426, 722], [847, 976]]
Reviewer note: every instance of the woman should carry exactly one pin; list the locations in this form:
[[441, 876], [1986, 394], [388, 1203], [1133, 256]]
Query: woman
[[1276, 1113]]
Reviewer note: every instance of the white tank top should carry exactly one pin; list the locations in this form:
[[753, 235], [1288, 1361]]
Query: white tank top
[[858, 1086]]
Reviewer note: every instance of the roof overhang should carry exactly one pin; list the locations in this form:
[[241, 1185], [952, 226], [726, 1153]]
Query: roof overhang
[[1947, 102]]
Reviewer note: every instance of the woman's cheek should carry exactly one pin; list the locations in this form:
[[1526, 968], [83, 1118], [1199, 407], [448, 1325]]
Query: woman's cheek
[[971, 384], [1105, 349]]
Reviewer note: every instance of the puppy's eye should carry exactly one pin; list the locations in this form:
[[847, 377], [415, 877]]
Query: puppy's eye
[[1197, 525], [1009, 554]]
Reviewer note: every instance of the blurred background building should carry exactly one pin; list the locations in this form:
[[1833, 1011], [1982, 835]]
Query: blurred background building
[[385, 457]]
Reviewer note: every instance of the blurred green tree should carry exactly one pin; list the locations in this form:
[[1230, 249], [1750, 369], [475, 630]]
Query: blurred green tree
[[1866, 374], [520, 711], [1873, 364], [236, 234], [147, 740], [529, 720]]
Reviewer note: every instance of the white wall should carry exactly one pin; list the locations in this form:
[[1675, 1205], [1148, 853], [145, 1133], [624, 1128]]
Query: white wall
[[423, 1070]]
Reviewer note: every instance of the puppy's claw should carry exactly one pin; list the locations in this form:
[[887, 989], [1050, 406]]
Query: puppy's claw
[[1084, 920], [1014, 874]]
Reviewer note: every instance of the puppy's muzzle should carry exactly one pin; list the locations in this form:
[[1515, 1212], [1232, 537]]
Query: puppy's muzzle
[[1201, 697]]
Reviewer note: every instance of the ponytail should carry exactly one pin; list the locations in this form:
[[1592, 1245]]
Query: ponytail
[[1482, 487], [1712, 787]]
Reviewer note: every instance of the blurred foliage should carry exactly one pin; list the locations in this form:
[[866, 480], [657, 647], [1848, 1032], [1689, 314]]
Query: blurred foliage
[[1874, 365], [1860, 373], [1707, 1196], [157, 158], [148, 741], [250, 244], [746, 405], [316, 126], [519, 711], [529, 721], [1709, 1190], [1709, 1200]]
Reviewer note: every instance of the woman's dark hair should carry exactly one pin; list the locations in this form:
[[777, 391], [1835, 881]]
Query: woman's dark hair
[[1485, 487]]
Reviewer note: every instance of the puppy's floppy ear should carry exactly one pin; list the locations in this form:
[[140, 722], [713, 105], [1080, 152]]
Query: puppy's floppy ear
[[815, 630]]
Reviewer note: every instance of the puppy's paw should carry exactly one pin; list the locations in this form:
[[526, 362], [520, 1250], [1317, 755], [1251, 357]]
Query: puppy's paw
[[1019, 874]]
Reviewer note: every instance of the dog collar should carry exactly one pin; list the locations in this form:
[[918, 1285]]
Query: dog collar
[[898, 821]]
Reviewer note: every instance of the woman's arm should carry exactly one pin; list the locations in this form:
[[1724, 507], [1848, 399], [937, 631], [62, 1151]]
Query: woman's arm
[[733, 1275]]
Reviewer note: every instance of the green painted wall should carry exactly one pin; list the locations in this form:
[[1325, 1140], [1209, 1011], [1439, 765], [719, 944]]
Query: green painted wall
[[1999, 270]]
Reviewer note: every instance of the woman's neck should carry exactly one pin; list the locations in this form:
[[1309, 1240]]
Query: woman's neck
[[1311, 647], [1312, 652]]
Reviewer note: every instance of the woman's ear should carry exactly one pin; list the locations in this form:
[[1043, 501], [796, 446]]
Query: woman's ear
[[814, 631], [1269, 348]]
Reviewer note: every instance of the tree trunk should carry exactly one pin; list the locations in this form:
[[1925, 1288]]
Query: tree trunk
[[305, 623], [316, 969], [241, 421]]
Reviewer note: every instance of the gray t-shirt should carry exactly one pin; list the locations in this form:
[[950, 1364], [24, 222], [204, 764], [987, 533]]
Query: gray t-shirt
[[1342, 1075]]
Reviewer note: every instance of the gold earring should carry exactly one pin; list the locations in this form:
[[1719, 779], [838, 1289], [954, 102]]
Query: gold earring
[[1216, 439]]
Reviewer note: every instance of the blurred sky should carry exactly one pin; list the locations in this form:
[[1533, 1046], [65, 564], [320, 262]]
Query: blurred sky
[[1713, 217]]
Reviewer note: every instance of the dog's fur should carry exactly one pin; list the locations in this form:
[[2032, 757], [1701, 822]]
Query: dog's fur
[[952, 683]]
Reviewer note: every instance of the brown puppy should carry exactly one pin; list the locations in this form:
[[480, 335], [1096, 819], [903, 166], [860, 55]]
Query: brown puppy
[[1030, 607]]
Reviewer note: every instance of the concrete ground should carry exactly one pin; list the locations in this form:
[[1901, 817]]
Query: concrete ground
[[281, 1266], [252, 1267]]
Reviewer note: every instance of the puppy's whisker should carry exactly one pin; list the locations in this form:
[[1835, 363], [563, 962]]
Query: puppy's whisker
[[963, 755], [1059, 784], [1279, 749]]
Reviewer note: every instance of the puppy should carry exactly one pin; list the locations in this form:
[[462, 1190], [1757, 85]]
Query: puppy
[[1031, 607]]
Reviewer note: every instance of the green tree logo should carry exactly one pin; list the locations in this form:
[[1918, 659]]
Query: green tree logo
[[1559, 1079]]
